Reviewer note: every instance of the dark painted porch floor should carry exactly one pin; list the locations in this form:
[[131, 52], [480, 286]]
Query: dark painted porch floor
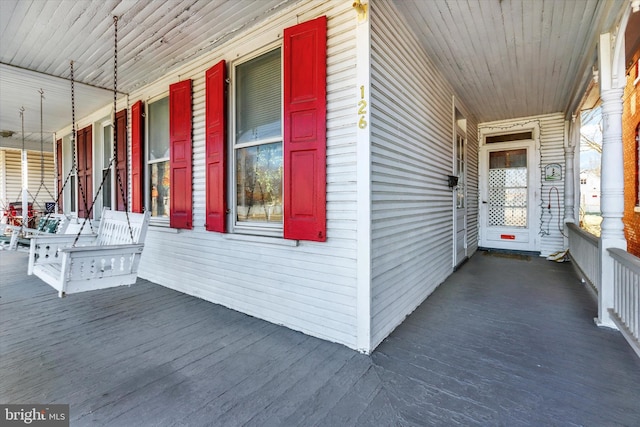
[[504, 341]]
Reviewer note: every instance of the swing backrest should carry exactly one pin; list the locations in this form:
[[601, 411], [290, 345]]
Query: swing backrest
[[114, 229]]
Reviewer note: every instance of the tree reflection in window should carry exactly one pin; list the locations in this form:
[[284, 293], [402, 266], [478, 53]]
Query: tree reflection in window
[[259, 183]]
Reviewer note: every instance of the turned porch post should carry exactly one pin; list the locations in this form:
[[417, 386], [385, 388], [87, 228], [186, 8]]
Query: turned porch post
[[612, 81]]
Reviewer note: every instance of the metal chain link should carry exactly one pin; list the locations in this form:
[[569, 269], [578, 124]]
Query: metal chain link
[[74, 138], [115, 143], [125, 198]]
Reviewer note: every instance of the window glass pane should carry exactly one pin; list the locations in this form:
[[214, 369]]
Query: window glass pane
[[107, 138], [258, 98], [72, 183], [259, 183], [160, 194], [508, 159], [107, 133], [106, 188], [159, 129]]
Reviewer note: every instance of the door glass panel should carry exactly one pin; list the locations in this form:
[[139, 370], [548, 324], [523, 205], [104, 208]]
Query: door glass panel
[[508, 188], [107, 142], [461, 161]]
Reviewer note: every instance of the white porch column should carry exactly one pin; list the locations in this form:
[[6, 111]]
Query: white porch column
[[612, 198], [612, 80]]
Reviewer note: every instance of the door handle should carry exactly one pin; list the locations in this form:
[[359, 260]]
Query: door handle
[[484, 202]]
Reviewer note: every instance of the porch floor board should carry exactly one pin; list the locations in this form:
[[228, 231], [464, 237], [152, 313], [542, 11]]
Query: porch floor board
[[504, 341]]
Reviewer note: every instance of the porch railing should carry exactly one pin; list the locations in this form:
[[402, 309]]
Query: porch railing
[[626, 296], [583, 249]]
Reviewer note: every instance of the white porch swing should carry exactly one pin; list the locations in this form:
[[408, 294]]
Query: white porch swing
[[87, 262]]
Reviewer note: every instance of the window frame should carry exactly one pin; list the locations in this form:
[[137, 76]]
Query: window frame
[[102, 125], [147, 205], [70, 190], [461, 168], [637, 171], [235, 226]]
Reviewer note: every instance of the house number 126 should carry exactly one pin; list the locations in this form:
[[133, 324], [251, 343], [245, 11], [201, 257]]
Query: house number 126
[[362, 109]]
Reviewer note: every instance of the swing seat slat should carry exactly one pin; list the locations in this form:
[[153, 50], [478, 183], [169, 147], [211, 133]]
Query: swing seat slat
[[103, 260]]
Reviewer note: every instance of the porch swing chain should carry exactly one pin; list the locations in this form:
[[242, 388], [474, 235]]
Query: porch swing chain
[[41, 141], [74, 136], [73, 149], [42, 184], [115, 147], [125, 199]]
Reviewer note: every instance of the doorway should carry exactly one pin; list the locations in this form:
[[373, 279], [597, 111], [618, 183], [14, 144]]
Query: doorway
[[507, 196]]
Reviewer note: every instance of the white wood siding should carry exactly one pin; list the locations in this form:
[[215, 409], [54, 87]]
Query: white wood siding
[[552, 134], [412, 149], [310, 287], [13, 171]]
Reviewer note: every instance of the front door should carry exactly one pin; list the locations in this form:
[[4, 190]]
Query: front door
[[508, 196]]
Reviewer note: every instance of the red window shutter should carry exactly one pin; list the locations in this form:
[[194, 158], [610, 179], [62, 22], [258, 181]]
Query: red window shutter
[[216, 198], [85, 171], [305, 68], [137, 142], [59, 173], [121, 161], [180, 157]]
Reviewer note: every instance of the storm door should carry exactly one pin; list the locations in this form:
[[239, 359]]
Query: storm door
[[508, 196]]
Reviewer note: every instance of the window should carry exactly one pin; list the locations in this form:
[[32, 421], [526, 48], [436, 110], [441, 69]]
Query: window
[[107, 144], [59, 175], [68, 176], [518, 136], [257, 142], [637, 139], [583, 181], [276, 161], [158, 158]]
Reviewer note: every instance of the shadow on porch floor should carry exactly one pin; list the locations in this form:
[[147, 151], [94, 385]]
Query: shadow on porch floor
[[503, 341]]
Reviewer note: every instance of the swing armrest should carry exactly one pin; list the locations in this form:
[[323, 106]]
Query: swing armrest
[[105, 249], [61, 239], [44, 249], [15, 233]]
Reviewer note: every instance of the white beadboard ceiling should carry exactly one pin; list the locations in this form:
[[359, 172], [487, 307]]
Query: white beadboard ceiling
[[504, 58], [39, 38]]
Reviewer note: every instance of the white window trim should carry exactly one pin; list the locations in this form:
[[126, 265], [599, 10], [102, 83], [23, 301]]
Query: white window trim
[[532, 126], [102, 161], [154, 221], [67, 166], [250, 229]]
